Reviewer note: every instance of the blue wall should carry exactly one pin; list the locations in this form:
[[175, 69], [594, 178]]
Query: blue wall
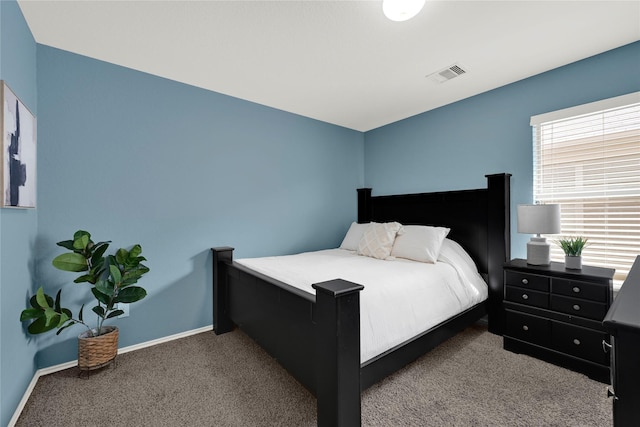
[[135, 158], [18, 227], [453, 147]]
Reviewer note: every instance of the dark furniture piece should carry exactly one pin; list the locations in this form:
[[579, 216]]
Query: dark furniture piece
[[623, 323], [555, 314], [317, 337]]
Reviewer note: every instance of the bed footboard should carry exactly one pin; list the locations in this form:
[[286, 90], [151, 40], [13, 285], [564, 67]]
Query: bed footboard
[[317, 339]]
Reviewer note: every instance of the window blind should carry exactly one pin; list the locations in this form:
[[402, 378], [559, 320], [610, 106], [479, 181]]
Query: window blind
[[587, 159]]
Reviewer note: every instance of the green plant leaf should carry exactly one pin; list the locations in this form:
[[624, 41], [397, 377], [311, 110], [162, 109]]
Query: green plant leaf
[[34, 301], [56, 305], [41, 298], [98, 271], [63, 319], [105, 287], [82, 241], [84, 278], [99, 263], [106, 244], [52, 319], [70, 323], [131, 276], [115, 273], [80, 313], [51, 314], [135, 251], [110, 260], [134, 261], [115, 313], [67, 244], [39, 326], [98, 310], [31, 313], [70, 262], [98, 251], [80, 233], [122, 255], [103, 298], [130, 294]]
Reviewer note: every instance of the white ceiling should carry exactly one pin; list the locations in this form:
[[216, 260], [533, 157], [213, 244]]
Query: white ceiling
[[341, 62]]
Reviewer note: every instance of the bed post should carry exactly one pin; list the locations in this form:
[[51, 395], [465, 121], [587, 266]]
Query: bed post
[[364, 205], [499, 226], [338, 353], [221, 321]]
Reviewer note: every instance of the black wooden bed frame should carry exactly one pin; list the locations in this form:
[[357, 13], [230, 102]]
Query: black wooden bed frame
[[317, 338]]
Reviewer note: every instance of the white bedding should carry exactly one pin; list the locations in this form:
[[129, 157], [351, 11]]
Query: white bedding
[[401, 298]]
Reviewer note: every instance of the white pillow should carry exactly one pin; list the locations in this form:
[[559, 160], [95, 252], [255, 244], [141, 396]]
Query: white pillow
[[378, 239], [353, 236], [419, 243]]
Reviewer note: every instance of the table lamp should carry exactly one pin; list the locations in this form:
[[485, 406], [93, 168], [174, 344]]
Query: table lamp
[[539, 219]]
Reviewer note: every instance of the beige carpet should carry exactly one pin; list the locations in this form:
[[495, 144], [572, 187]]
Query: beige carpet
[[227, 380]]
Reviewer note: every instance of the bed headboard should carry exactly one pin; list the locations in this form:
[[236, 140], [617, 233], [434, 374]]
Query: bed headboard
[[479, 221]]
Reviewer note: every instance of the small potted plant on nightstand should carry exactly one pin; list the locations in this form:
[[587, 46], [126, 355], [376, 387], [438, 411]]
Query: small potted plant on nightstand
[[572, 247], [111, 278]]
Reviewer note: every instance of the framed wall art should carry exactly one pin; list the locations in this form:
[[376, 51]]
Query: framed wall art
[[18, 157]]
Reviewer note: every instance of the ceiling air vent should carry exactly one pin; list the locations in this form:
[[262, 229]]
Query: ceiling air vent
[[447, 74]]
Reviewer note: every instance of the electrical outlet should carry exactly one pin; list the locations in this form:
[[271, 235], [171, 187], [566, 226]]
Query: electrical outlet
[[124, 307]]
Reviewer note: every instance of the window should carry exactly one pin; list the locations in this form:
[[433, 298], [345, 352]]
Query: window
[[587, 159]]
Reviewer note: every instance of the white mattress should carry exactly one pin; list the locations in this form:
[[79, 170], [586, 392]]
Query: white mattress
[[401, 298]]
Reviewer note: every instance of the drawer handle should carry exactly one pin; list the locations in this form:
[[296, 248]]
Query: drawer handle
[[576, 341], [576, 289], [525, 281], [525, 296], [526, 328], [606, 346], [576, 307]]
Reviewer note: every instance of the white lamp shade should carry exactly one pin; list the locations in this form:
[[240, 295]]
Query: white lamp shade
[[539, 219], [401, 10]]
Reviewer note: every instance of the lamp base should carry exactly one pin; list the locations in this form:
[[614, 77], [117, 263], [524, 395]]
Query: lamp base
[[538, 251]]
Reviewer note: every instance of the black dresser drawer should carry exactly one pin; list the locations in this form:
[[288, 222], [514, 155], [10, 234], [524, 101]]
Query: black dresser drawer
[[525, 280], [533, 329], [579, 289], [527, 296], [578, 307], [579, 342], [555, 314]]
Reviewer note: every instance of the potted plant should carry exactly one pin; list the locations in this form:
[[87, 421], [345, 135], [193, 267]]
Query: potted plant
[[112, 279], [573, 247]]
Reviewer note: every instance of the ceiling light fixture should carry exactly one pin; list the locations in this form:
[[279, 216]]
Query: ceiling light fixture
[[401, 10]]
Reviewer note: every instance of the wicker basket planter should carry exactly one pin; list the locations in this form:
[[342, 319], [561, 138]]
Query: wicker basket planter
[[97, 352]]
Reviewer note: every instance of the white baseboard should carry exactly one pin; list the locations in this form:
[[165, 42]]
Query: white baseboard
[[61, 367]]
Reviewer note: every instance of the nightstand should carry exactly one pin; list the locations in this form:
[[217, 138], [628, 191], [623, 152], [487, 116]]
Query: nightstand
[[555, 314]]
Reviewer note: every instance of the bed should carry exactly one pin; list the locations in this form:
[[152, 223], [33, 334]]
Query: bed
[[317, 338]]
